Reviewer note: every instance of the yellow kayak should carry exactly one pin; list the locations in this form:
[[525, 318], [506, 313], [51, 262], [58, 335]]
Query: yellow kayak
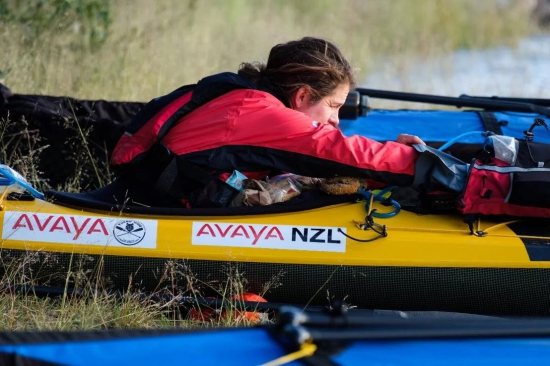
[[304, 256]]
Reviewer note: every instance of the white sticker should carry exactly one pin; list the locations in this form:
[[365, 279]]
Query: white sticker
[[75, 229], [315, 238]]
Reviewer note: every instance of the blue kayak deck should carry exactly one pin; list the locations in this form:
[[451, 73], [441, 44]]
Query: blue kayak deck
[[438, 125]]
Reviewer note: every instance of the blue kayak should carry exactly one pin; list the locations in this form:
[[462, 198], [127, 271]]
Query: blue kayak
[[502, 116], [316, 339]]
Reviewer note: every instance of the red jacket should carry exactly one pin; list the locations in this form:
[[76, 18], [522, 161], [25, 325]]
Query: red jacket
[[251, 130], [224, 123]]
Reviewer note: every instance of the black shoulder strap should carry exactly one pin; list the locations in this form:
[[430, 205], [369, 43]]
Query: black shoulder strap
[[206, 90], [179, 169], [490, 122], [153, 107], [184, 180]]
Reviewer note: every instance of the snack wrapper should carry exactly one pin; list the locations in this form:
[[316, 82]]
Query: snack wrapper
[[236, 180]]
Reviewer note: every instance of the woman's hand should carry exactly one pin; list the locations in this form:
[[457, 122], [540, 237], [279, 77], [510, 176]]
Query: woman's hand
[[407, 139]]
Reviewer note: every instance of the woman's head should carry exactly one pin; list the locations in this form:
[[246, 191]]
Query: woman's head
[[311, 65]]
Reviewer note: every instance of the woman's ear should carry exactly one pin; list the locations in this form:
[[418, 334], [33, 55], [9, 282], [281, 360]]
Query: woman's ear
[[300, 98]]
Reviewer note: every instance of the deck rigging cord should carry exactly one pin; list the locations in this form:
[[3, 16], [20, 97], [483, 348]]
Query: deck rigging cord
[[382, 196]]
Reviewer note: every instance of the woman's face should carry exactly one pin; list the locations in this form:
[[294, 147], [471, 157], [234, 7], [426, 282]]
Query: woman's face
[[325, 110]]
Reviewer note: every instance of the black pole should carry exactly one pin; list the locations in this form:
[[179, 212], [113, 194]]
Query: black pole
[[537, 101], [459, 102]]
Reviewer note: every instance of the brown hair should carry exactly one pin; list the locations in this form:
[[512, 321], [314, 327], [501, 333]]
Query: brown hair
[[311, 62]]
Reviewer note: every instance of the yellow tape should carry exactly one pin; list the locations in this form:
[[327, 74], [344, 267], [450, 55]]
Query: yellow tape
[[306, 350]]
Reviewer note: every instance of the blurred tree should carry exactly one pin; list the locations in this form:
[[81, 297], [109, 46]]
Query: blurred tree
[[541, 13], [81, 22]]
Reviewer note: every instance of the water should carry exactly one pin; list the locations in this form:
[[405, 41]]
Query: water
[[523, 71]]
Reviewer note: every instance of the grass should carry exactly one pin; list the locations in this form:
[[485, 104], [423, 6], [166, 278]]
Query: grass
[[100, 311], [153, 47], [79, 297]]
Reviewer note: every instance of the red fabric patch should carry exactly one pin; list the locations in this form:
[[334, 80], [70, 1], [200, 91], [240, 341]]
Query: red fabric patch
[[488, 191], [210, 315]]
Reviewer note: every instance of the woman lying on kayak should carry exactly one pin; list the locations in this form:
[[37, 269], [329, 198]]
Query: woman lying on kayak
[[268, 118]]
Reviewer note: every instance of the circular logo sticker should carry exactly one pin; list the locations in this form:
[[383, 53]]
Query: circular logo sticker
[[129, 232]]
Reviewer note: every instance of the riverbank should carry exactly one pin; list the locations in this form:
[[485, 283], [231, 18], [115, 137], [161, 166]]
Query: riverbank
[[522, 70]]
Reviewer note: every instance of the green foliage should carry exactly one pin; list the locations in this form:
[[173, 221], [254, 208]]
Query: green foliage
[[83, 21]]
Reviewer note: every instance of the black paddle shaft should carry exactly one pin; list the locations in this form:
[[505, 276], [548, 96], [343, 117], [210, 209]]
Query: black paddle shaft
[[536, 101], [459, 102]]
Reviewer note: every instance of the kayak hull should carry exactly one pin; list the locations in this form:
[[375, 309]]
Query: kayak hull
[[487, 291]]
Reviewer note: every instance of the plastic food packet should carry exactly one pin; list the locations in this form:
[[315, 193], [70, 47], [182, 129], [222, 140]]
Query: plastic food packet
[[283, 188], [254, 193], [301, 182], [279, 188], [308, 182]]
